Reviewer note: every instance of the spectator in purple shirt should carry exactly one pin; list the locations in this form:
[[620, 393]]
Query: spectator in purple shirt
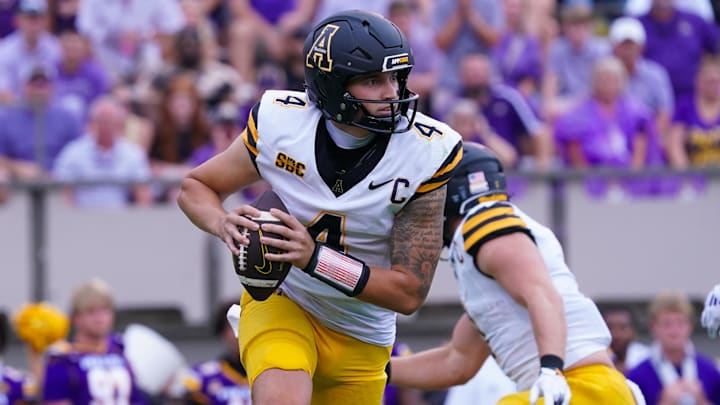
[[80, 78], [428, 59], [462, 27], [677, 40], [505, 109], [465, 117], [261, 25], [221, 381], [647, 80], [517, 56], [16, 387], [568, 72], [606, 129], [34, 131], [92, 369], [27, 47], [695, 136], [675, 373], [8, 9]]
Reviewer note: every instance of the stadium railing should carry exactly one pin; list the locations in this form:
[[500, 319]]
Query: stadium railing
[[156, 260]]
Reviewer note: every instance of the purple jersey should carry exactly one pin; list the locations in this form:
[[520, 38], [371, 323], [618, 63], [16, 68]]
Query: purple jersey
[[517, 57], [15, 387], [606, 141], [217, 382], [77, 90], [678, 45], [98, 376], [645, 376], [702, 138], [510, 115]]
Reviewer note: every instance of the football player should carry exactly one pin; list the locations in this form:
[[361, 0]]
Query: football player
[[363, 177], [522, 303], [91, 368], [711, 312], [16, 387]]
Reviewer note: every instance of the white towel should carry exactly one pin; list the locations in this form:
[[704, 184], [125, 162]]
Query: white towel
[[233, 317]]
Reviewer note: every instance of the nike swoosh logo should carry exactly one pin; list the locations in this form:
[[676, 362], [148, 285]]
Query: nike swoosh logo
[[265, 262], [372, 186]]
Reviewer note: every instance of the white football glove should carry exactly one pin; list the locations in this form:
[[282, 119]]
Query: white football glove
[[553, 387], [711, 313]]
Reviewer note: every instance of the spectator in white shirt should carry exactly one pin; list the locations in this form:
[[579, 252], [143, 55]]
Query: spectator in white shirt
[[129, 35], [104, 154], [702, 8]]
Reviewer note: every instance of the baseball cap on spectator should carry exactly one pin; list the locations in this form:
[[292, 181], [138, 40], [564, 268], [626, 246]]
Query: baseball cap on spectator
[[627, 29], [34, 7]]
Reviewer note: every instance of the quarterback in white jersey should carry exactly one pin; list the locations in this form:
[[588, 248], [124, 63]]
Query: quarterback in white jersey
[[522, 303], [363, 176]]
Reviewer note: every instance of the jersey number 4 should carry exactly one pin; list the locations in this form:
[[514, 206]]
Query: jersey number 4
[[328, 228], [291, 101]]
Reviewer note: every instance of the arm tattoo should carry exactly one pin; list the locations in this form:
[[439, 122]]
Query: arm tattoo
[[416, 238]]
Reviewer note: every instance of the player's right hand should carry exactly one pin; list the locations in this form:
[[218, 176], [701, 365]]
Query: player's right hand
[[711, 313], [228, 226], [552, 386]]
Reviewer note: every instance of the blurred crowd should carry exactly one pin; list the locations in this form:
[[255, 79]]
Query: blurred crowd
[[128, 90]]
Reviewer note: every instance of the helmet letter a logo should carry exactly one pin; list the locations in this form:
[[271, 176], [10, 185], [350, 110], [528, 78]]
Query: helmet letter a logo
[[319, 53]]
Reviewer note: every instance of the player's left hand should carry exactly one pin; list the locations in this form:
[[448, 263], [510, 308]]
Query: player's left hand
[[299, 245], [552, 386], [711, 314]]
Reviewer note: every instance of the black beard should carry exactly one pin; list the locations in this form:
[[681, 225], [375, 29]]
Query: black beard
[[478, 92]]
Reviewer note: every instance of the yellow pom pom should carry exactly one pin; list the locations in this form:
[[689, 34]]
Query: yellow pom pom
[[40, 325]]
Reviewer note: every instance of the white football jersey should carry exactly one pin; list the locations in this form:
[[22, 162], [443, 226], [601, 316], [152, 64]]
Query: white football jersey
[[505, 323], [286, 137]]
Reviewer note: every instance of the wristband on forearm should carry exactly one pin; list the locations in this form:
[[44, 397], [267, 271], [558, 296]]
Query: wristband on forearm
[[552, 362], [343, 272]]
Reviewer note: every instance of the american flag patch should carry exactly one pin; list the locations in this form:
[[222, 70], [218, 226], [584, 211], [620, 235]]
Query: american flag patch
[[338, 268], [477, 183]]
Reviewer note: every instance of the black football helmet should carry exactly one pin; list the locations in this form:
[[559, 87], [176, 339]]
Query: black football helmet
[[355, 43], [479, 176]]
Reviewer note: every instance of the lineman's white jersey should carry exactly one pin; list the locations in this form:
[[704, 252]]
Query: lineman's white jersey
[[504, 323], [281, 138]]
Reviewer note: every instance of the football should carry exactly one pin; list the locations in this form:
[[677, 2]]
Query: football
[[260, 276]]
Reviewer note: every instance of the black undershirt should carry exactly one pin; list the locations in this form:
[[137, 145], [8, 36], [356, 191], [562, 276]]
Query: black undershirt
[[341, 169]]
